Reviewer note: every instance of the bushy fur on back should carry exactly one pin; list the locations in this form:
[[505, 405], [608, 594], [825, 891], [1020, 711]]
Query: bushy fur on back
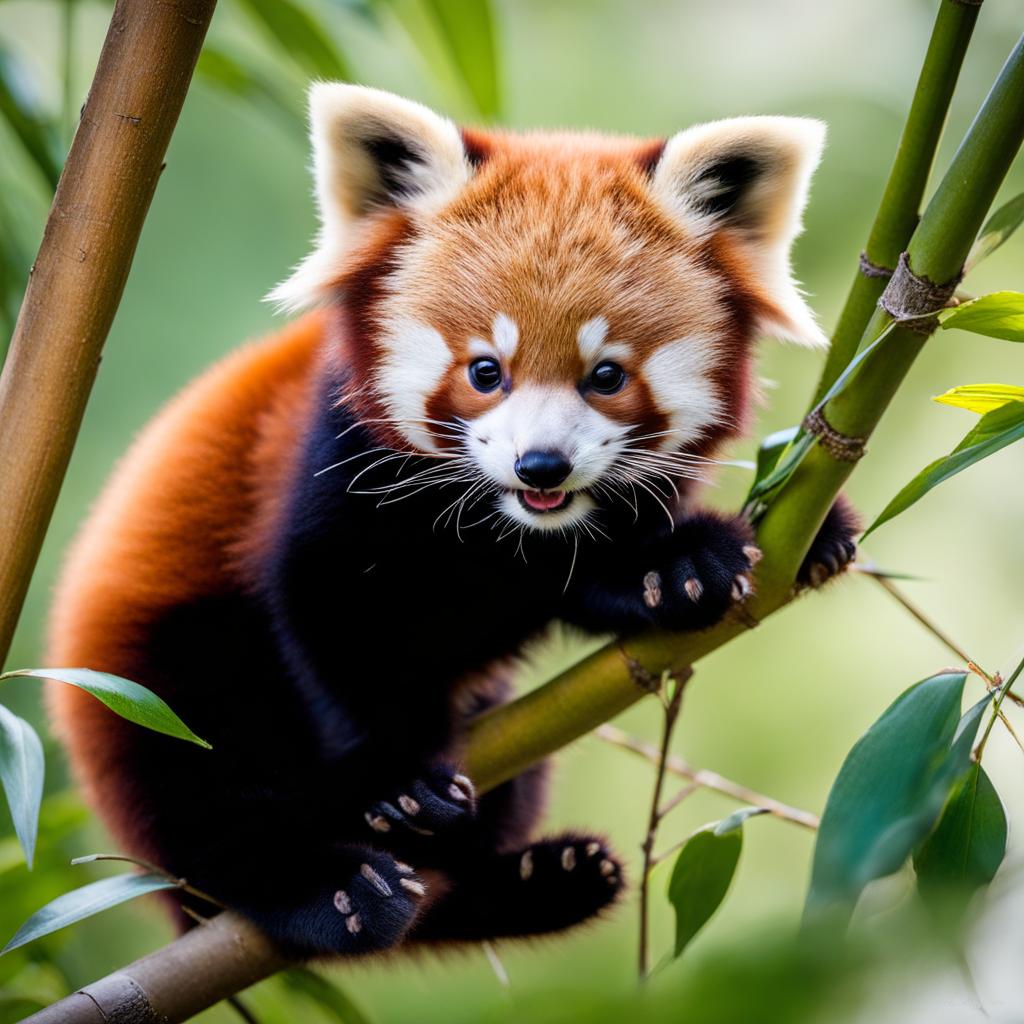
[[326, 551]]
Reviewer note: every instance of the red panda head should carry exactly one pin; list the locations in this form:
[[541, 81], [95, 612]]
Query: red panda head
[[570, 316]]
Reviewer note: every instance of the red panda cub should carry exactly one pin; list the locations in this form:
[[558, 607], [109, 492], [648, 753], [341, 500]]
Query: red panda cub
[[526, 352]]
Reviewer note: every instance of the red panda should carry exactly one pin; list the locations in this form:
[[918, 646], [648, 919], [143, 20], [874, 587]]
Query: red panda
[[526, 352]]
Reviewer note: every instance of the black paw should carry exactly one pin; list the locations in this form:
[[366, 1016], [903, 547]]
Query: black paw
[[567, 879], [375, 907], [368, 901], [439, 801], [834, 548], [711, 572]]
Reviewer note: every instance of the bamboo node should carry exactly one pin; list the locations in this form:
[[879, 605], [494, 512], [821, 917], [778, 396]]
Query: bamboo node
[[841, 447], [913, 301], [122, 1000], [869, 269]]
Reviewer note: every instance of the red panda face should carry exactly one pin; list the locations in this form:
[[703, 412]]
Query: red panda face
[[566, 319]]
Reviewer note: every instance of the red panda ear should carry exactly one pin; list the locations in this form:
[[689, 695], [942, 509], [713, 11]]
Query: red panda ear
[[371, 150], [748, 177]]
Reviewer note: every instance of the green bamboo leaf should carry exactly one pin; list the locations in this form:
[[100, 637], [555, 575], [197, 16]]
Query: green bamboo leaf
[[981, 398], [790, 457], [85, 902], [21, 772], [469, 36], [964, 852], [122, 696], [36, 131], [995, 430], [800, 444], [997, 230], [770, 449], [890, 791], [998, 315], [299, 36], [703, 872], [324, 994]]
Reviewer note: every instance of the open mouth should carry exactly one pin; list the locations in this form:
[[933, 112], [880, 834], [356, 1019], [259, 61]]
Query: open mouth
[[544, 501]]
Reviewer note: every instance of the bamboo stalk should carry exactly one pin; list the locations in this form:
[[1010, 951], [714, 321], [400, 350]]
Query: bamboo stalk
[[76, 283], [901, 201]]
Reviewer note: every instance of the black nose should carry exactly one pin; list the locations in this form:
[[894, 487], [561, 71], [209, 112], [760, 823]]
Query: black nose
[[542, 469]]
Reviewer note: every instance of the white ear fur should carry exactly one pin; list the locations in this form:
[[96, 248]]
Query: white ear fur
[[749, 176], [371, 149]]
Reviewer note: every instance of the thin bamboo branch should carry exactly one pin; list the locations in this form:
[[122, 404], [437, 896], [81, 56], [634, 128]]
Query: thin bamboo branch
[[901, 201], [707, 779], [896, 592], [671, 714], [76, 283]]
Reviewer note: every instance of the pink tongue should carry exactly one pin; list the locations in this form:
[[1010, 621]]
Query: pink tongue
[[544, 501]]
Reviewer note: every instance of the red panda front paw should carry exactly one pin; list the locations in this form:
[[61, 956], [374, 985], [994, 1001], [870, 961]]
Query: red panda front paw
[[713, 572], [834, 549], [440, 800]]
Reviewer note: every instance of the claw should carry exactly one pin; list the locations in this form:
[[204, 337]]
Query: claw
[[402, 868], [375, 880], [342, 902], [593, 849], [568, 859], [741, 588], [417, 888], [526, 865], [607, 868], [465, 784], [377, 822], [818, 574], [652, 589], [408, 805], [354, 924], [753, 553], [694, 588]]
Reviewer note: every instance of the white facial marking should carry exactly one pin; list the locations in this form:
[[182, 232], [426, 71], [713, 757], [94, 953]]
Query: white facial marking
[[479, 347], [506, 336], [678, 375], [416, 362], [535, 417], [594, 346], [590, 338]]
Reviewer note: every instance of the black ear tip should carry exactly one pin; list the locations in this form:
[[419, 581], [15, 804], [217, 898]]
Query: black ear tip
[[726, 181], [394, 157]]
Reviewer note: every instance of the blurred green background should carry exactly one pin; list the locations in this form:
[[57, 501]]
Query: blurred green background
[[776, 710]]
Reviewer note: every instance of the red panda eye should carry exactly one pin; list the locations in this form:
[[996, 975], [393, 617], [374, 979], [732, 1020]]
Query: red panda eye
[[485, 373], [606, 378]]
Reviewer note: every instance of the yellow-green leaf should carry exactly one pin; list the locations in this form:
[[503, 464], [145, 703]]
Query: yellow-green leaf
[[981, 397], [998, 315]]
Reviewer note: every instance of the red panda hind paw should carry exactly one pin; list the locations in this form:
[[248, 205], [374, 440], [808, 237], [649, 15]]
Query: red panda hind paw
[[443, 799]]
